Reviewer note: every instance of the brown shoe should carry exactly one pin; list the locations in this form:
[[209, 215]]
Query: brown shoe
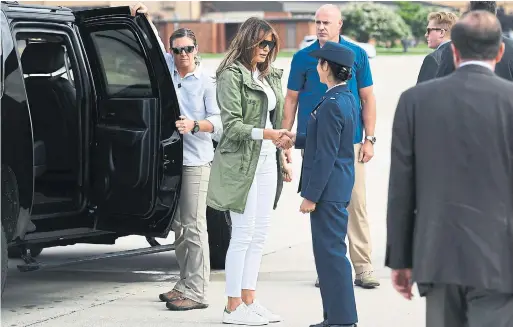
[[184, 304], [169, 296], [366, 280]]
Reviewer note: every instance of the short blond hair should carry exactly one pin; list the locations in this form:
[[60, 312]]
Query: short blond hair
[[443, 19]]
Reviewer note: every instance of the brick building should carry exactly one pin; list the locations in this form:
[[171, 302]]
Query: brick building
[[220, 21], [216, 22], [215, 37]]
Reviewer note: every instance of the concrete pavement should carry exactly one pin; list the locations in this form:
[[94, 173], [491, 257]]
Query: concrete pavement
[[288, 291], [124, 292]]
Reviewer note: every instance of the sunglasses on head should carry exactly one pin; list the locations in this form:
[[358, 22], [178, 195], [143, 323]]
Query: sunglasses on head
[[265, 43], [187, 49]]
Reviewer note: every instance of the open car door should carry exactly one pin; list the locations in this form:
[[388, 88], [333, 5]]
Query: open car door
[[136, 151]]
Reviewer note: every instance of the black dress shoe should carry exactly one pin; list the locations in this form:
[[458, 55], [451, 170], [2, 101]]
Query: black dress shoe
[[353, 325]]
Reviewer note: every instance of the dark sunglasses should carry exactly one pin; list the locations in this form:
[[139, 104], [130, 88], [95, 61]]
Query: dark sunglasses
[[265, 43], [430, 29], [187, 49]]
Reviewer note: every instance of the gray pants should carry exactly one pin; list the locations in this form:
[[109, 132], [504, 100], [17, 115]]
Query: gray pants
[[458, 306], [190, 226]]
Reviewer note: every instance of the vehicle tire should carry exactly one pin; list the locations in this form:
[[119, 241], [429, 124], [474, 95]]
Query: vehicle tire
[[219, 233], [4, 259], [14, 252]]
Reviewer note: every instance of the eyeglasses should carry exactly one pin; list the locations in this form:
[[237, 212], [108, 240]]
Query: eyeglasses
[[430, 29], [265, 43], [187, 49]]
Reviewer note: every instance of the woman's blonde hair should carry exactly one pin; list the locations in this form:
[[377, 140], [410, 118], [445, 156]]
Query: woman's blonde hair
[[242, 48]]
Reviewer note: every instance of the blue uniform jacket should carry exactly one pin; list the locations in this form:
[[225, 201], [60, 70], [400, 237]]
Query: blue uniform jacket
[[327, 172]]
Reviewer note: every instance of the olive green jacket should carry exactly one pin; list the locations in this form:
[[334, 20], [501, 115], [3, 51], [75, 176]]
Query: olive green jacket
[[243, 105]]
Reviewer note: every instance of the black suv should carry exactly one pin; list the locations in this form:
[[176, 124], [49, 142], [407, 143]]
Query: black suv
[[90, 151]]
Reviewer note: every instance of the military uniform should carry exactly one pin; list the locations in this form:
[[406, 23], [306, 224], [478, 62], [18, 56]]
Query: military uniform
[[327, 178]]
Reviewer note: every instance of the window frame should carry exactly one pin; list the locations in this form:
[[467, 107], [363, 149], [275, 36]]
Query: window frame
[[67, 66], [68, 35], [99, 73], [104, 53], [82, 86]]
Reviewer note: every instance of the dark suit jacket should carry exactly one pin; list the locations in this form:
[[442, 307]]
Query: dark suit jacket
[[328, 162], [504, 68], [450, 197], [430, 64]]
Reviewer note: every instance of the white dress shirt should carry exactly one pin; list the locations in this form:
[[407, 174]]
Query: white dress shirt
[[478, 63]]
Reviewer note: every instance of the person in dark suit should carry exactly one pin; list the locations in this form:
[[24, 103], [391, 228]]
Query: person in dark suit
[[327, 181], [438, 36], [504, 68], [450, 198]]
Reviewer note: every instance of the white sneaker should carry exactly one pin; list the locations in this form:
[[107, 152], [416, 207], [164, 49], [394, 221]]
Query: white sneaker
[[243, 316], [264, 312]]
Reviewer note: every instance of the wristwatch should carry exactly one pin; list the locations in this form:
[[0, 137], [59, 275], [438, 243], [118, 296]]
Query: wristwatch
[[372, 139], [196, 127]]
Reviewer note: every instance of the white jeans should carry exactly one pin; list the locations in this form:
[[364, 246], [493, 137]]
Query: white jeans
[[250, 229]]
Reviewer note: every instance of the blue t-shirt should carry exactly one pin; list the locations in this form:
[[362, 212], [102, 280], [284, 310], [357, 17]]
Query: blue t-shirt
[[305, 79]]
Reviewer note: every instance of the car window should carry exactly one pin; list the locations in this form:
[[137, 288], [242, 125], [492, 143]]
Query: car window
[[123, 63], [65, 71]]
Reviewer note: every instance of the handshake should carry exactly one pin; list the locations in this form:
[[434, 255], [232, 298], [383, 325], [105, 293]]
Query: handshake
[[283, 138]]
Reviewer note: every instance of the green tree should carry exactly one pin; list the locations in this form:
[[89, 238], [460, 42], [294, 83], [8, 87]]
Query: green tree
[[415, 16], [419, 22], [364, 21], [408, 11]]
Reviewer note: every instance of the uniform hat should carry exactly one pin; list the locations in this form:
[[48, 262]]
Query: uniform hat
[[335, 52]]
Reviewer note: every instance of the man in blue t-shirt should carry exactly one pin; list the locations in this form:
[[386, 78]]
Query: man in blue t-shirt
[[305, 89]]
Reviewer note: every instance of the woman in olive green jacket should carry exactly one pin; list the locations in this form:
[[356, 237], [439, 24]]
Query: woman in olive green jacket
[[247, 172]]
